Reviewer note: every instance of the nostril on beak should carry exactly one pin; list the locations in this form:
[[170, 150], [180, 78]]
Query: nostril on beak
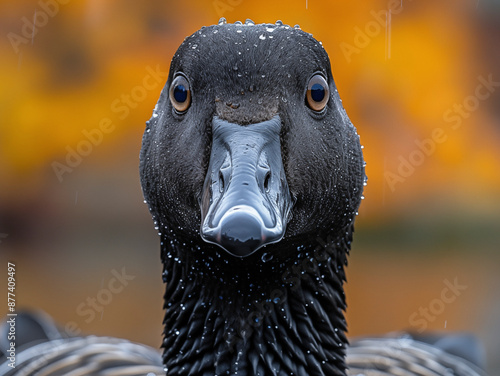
[[221, 182], [267, 179], [224, 177]]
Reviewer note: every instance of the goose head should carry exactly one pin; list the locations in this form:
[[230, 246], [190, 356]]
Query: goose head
[[253, 174]]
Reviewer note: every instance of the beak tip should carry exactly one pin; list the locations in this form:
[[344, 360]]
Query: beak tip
[[240, 232]]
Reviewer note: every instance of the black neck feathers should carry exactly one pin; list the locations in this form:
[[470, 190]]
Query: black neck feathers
[[260, 315]]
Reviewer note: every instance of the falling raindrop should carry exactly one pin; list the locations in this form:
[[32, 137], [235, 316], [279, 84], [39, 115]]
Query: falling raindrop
[[20, 60], [33, 33], [388, 34]]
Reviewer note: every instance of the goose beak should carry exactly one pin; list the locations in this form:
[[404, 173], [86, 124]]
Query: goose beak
[[246, 200]]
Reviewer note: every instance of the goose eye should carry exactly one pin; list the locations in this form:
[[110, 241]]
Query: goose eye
[[180, 94], [317, 93]]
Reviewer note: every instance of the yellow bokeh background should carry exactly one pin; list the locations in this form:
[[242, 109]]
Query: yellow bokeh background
[[397, 80]]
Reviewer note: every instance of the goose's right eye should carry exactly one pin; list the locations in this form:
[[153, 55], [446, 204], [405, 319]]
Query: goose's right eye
[[180, 94]]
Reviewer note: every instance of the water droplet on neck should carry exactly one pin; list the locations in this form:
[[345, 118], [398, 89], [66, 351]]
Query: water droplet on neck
[[267, 257]]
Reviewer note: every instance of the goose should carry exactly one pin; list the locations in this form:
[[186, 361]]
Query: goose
[[253, 174]]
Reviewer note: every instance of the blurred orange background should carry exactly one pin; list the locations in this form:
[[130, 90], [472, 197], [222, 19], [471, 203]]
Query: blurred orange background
[[423, 91]]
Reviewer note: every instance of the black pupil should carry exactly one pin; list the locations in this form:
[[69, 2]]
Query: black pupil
[[317, 92], [180, 93]]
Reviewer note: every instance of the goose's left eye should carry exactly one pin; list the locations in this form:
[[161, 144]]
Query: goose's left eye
[[180, 94], [317, 93]]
